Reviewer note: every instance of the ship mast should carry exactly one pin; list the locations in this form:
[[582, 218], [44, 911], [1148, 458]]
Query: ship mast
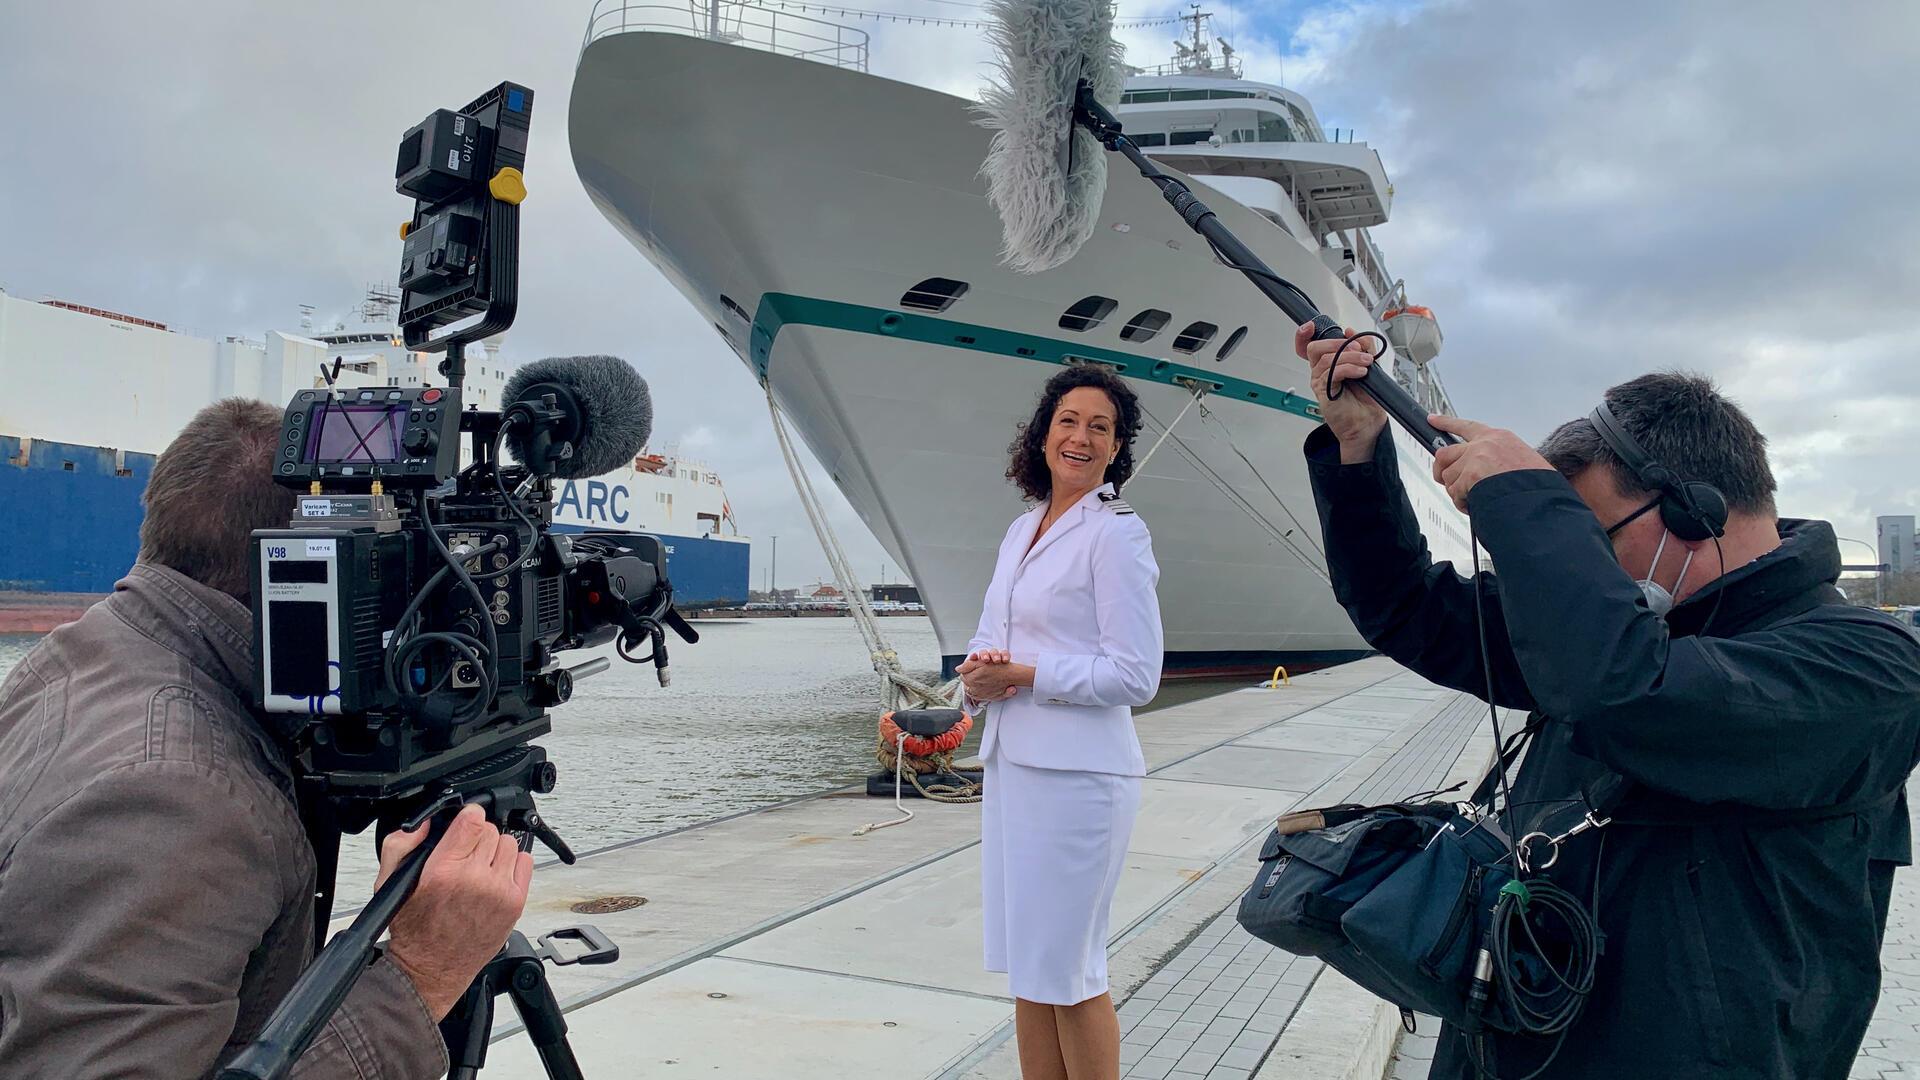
[[1194, 56]]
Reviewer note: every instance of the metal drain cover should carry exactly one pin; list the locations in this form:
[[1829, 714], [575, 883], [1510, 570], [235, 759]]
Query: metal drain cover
[[607, 905]]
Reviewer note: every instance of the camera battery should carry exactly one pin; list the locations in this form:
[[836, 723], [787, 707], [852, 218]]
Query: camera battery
[[323, 596]]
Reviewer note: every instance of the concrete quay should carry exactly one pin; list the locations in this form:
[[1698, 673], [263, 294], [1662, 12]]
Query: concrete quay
[[777, 943]]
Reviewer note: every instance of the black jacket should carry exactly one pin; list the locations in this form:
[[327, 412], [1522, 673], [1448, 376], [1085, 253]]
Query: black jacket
[[1733, 948]]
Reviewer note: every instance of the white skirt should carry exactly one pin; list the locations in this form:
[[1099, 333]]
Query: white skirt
[[1052, 844]]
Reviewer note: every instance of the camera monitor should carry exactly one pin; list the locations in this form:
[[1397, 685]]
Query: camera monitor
[[462, 245]]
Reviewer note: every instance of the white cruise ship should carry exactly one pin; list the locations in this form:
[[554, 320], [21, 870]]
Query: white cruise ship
[[833, 228]]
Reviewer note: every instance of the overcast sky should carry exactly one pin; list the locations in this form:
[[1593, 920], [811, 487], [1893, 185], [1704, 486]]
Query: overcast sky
[[1583, 192]]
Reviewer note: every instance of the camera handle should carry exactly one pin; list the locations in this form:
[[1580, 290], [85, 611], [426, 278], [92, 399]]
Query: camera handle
[[504, 786]]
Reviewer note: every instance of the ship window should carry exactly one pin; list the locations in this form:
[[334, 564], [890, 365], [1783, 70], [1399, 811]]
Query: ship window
[[1189, 138], [727, 302], [1144, 95], [1144, 326], [1195, 337], [1232, 343], [66, 466], [1274, 129], [1088, 313], [1149, 138], [934, 294], [1218, 94]]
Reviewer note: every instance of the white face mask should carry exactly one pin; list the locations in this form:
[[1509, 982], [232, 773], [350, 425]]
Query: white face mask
[[1658, 598]]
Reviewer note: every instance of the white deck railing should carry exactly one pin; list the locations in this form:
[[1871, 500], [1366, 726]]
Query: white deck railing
[[749, 25]]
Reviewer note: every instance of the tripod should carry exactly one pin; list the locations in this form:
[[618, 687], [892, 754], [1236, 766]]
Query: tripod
[[504, 785]]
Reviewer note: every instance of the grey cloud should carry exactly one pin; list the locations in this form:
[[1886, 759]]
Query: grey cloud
[[1587, 191]]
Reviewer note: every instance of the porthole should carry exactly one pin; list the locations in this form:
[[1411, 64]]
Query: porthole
[[1232, 343], [728, 303], [1194, 337], [1087, 313], [1144, 326], [934, 294]]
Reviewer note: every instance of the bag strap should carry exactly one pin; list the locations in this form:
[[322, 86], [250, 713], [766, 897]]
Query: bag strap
[[1516, 742]]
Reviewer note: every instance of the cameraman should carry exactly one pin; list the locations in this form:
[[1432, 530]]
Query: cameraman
[[1750, 733], [156, 885]]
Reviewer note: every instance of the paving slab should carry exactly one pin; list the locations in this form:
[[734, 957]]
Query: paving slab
[[1185, 818], [935, 912], [1252, 766], [765, 1022], [1303, 733]]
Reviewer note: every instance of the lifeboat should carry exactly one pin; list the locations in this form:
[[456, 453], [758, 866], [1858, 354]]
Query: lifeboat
[[1414, 331]]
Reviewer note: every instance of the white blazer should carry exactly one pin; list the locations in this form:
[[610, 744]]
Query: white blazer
[[1081, 608]]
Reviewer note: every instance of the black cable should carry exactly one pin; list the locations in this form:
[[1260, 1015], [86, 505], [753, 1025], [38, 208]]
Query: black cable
[[489, 670], [1334, 392], [1720, 587], [1493, 711], [499, 481], [396, 684]]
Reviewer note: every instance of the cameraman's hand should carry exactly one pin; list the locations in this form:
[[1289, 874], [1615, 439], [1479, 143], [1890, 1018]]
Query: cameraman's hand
[[471, 892], [1354, 418]]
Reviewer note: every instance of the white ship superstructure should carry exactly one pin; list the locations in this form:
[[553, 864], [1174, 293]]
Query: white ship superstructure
[[833, 228]]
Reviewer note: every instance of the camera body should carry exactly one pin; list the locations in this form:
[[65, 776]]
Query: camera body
[[409, 618]]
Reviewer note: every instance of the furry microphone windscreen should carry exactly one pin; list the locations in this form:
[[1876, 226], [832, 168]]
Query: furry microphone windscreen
[[1043, 48], [615, 410]]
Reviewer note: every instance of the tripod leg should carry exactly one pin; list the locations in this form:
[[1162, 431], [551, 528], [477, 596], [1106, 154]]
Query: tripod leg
[[525, 981], [467, 1028]]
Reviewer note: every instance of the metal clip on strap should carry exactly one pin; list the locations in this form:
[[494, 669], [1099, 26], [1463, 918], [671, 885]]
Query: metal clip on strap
[[1592, 820]]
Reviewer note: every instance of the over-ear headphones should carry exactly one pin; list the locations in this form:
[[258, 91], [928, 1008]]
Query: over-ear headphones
[[1691, 509]]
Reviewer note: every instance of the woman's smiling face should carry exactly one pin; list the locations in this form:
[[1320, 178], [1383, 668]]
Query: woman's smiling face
[[1081, 441]]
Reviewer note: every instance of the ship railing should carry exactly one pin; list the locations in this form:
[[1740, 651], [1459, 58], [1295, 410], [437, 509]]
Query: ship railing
[[1228, 68], [751, 25]]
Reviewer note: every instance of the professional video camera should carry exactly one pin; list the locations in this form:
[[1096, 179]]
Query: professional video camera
[[409, 618]]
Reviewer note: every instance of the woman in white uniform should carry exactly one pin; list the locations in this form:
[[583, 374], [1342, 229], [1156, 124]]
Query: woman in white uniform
[[1069, 642]]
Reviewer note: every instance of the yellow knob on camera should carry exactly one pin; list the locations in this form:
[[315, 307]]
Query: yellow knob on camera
[[508, 186]]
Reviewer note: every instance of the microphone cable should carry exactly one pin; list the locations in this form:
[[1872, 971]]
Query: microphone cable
[[1542, 993]]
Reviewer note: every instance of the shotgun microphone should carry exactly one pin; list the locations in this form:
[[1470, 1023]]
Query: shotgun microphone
[[1057, 72]]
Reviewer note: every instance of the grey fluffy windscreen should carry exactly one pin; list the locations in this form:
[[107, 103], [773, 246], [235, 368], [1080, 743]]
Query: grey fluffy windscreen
[[1043, 48], [617, 407]]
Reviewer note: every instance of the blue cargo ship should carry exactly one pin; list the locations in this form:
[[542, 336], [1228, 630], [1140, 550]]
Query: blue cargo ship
[[89, 397]]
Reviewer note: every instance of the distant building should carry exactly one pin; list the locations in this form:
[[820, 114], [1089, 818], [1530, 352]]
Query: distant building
[[1896, 543], [905, 594], [826, 592]]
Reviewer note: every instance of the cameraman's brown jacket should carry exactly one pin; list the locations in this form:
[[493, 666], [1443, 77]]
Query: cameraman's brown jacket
[[156, 887]]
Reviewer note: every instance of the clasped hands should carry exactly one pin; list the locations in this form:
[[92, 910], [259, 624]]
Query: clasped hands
[[991, 675]]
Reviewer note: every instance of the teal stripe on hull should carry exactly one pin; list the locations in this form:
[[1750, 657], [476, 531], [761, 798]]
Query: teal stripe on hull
[[779, 310]]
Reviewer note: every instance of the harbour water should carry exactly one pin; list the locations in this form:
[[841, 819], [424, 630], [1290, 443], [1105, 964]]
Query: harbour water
[[760, 711]]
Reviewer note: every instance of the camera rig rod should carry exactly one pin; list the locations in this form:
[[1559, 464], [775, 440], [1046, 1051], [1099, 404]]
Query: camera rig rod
[[504, 786]]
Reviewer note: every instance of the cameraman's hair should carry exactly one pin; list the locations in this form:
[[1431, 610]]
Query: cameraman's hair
[[213, 486], [1684, 423]]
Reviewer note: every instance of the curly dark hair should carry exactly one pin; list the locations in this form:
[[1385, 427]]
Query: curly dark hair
[[1028, 465]]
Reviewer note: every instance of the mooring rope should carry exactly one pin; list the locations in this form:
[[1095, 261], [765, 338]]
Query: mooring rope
[[898, 690]]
